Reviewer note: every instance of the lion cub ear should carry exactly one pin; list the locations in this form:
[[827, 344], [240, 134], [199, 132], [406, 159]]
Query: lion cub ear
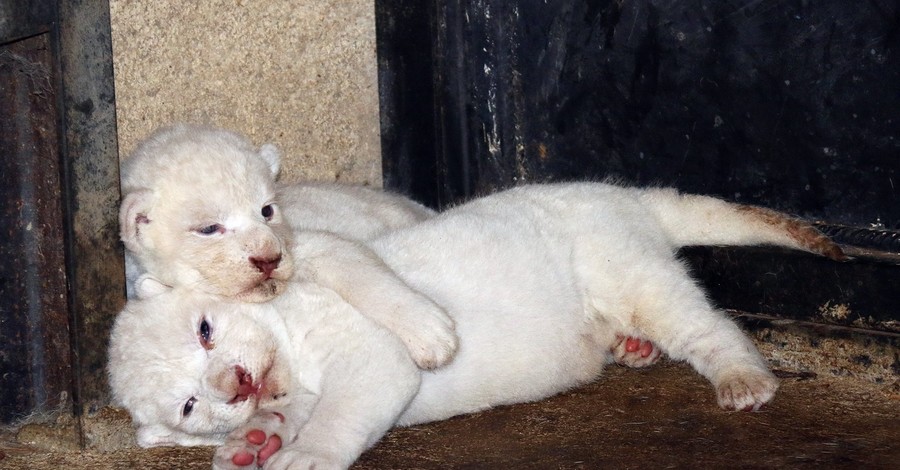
[[147, 286], [272, 156], [132, 215]]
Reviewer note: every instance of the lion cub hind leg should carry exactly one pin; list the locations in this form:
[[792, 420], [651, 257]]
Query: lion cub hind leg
[[664, 305]]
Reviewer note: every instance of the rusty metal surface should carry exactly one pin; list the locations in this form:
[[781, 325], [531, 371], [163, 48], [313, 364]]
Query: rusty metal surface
[[62, 279], [34, 332], [24, 18], [90, 161]]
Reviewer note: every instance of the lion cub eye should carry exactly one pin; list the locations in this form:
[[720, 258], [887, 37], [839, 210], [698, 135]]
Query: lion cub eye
[[210, 229], [204, 334], [188, 407], [268, 211]]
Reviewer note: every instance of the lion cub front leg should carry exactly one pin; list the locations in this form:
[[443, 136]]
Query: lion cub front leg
[[359, 275]]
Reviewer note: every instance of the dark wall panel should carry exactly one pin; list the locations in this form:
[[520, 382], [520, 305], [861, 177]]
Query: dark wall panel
[[791, 105], [786, 104], [62, 275], [35, 362]]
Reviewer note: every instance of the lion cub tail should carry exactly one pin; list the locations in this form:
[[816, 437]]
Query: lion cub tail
[[702, 220]]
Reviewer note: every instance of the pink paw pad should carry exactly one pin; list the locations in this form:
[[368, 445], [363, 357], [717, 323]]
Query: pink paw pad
[[636, 345], [258, 437], [243, 458], [635, 352], [272, 446]]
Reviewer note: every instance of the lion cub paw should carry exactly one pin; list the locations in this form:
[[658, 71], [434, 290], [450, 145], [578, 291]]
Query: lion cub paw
[[298, 459], [635, 352], [430, 337], [252, 444], [746, 390]]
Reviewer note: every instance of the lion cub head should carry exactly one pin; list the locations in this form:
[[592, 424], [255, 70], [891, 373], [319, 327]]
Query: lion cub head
[[199, 210], [190, 368]]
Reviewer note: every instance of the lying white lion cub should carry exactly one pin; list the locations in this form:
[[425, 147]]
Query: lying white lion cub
[[201, 209], [540, 280]]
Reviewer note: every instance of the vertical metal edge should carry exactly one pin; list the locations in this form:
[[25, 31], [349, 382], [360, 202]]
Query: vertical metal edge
[[404, 32], [89, 153]]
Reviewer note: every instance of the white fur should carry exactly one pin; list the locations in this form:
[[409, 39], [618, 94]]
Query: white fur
[[184, 178], [351, 212], [540, 281], [299, 359]]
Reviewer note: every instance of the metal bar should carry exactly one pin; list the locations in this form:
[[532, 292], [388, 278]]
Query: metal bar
[[95, 264], [35, 372]]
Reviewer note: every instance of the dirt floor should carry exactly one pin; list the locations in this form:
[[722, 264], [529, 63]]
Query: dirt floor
[[664, 416]]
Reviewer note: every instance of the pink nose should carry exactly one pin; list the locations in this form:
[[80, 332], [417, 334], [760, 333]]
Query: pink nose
[[245, 386], [266, 265]]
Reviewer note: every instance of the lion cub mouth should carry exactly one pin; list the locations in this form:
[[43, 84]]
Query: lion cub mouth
[[265, 290], [246, 388]]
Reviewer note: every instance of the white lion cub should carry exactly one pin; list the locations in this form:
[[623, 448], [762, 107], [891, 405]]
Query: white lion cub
[[201, 209], [540, 281]]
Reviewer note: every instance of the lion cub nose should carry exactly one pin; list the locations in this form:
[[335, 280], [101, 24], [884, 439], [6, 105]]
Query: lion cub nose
[[266, 265], [245, 386]]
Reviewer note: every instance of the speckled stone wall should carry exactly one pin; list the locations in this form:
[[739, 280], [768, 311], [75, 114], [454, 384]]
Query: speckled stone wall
[[301, 75]]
